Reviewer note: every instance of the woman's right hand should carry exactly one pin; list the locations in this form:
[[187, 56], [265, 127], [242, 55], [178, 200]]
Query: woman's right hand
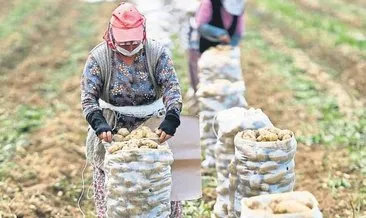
[[225, 39], [105, 136]]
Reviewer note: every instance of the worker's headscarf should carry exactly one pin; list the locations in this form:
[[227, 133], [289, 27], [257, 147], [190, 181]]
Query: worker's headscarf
[[126, 25]]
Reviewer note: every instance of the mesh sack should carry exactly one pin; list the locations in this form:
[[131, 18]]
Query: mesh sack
[[285, 205], [261, 167], [138, 181]]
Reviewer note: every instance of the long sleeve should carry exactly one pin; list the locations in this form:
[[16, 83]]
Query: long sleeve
[[91, 86], [204, 13], [168, 80], [211, 32], [235, 40], [240, 28]]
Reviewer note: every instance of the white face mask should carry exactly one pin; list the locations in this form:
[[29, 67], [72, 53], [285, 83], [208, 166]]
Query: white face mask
[[129, 53]]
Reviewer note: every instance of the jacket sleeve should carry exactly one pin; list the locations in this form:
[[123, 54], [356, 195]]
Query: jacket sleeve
[[91, 86], [166, 77], [211, 32], [235, 40]]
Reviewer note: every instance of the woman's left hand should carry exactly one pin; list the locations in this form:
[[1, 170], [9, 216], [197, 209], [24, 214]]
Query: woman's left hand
[[163, 135], [169, 125]]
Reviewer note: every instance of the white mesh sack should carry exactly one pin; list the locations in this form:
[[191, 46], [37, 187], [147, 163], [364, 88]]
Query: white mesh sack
[[138, 176], [211, 102], [264, 164], [220, 62], [207, 137], [230, 122], [221, 87], [224, 154], [285, 205]]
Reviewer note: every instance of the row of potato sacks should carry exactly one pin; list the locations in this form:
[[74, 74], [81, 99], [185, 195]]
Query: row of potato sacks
[[221, 87], [230, 122], [138, 175]]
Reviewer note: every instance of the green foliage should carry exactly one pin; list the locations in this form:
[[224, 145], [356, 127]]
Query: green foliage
[[335, 127], [14, 128], [5, 170], [296, 18], [180, 64], [13, 132], [358, 158], [70, 192], [198, 208], [17, 16]]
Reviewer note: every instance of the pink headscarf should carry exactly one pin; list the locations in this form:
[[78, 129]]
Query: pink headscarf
[[127, 24], [108, 37]]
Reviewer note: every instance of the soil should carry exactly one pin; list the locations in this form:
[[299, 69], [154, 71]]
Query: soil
[[46, 179]]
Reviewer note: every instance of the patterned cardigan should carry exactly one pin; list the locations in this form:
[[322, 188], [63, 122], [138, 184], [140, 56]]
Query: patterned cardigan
[[130, 85]]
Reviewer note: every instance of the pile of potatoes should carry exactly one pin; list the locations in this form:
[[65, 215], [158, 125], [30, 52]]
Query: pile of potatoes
[[138, 178], [264, 164], [293, 204], [141, 138], [133, 144], [267, 135], [140, 133]]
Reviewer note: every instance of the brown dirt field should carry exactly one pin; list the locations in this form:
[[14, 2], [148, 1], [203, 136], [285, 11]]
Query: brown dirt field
[[316, 5], [359, 3], [315, 164], [348, 63], [56, 151], [55, 155], [342, 92]]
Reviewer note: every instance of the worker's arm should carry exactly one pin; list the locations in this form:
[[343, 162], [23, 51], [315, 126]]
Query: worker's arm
[[168, 80], [213, 33], [203, 17], [91, 88]]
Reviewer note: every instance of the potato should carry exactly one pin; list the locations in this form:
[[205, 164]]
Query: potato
[[284, 132], [265, 187], [288, 207], [138, 138], [266, 134], [278, 156], [252, 165], [274, 130], [261, 155], [249, 135], [253, 204], [273, 178], [123, 131], [267, 137], [285, 137], [118, 138], [268, 166], [152, 135]]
